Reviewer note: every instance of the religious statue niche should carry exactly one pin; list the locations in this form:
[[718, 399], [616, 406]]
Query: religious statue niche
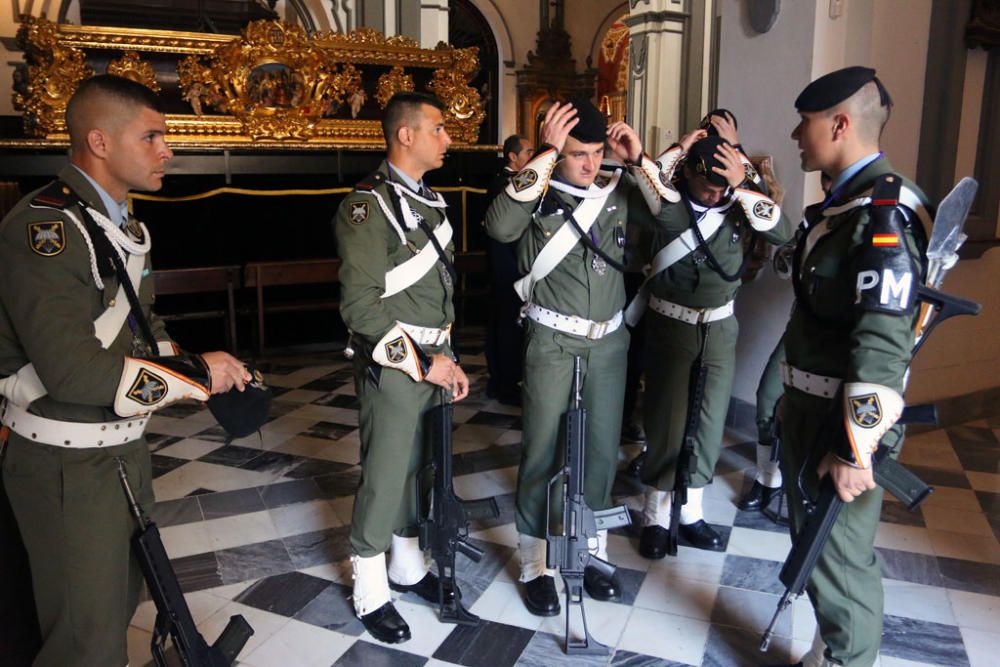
[[271, 84]]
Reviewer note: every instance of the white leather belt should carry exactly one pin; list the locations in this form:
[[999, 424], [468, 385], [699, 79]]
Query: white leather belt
[[427, 335], [810, 383], [71, 434], [572, 324], [690, 315]]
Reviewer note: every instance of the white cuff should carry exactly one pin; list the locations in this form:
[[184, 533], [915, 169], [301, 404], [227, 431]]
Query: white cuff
[[870, 410], [397, 350], [654, 184], [146, 386], [761, 211], [531, 182]]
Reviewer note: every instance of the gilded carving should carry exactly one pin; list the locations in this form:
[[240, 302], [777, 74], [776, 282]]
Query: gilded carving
[[392, 82], [131, 66], [464, 109]]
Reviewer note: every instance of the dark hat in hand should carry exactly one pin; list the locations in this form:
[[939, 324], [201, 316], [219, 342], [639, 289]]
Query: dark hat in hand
[[706, 122], [592, 126], [701, 158], [831, 89], [241, 413]]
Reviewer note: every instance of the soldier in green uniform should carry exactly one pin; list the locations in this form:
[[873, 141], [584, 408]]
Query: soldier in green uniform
[[397, 282], [693, 276], [848, 345], [569, 219], [77, 379]]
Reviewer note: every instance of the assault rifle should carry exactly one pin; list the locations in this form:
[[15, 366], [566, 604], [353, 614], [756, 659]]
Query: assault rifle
[[444, 526], [889, 474], [173, 618], [569, 550]]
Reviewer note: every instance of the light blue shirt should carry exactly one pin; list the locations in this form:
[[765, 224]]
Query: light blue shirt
[[851, 171], [115, 209], [407, 181]]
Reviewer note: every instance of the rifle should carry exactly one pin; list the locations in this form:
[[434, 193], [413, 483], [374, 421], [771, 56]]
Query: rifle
[[569, 550], [889, 474], [444, 527], [173, 618], [686, 459]]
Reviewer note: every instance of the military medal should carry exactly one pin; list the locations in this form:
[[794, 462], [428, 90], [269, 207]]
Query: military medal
[[620, 236], [599, 266]]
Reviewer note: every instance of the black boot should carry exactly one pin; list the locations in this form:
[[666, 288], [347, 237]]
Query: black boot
[[600, 587], [540, 596], [700, 535], [427, 588], [758, 497], [654, 542], [386, 625]]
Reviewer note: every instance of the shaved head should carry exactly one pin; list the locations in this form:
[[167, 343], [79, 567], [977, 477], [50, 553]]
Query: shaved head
[[865, 108], [105, 102]]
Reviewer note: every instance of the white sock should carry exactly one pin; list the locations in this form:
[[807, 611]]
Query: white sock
[[691, 511], [532, 552], [408, 564], [816, 657], [656, 509], [371, 585], [768, 472]]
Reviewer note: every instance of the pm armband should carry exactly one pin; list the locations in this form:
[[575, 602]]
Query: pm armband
[[653, 184], [147, 385], [532, 181], [886, 271], [761, 211], [397, 350], [870, 410]]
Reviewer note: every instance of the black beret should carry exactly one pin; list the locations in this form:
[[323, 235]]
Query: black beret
[[241, 413], [706, 122], [593, 125], [831, 89], [701, 158]]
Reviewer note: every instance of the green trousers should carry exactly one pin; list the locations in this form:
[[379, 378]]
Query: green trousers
[[846, 586], [393, 451], [671, 348], [545, 395], [76, 525], [769, 391]]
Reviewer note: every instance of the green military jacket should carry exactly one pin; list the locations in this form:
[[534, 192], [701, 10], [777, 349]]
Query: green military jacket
[[828, 333], [691, 281], [369, 246], [48, 304], [574, 287]]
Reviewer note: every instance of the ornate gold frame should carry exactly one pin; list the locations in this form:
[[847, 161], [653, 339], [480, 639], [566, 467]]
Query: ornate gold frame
[[271, 87]]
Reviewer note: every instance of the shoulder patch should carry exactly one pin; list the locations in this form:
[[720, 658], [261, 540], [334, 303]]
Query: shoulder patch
[[48, 238], [524, 179], [359, 211], [887, 275], [371, 181], [55, 195]]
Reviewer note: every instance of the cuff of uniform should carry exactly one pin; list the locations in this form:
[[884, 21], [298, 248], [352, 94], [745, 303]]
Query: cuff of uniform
[[530, 183], [668, 160], [397, 350], [870, 410], [761, 211], [653, 184], [148, 385]]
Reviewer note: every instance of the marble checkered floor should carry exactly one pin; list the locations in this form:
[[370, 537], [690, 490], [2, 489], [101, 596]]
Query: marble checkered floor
[[260, 527]]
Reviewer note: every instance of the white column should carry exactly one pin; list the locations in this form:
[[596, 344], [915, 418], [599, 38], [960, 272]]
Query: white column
[[433, 22]]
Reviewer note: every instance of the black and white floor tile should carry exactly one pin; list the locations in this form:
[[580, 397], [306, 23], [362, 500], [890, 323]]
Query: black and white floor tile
[[259, 527]]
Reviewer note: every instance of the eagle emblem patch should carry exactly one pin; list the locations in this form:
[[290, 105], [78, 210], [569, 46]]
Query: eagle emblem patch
[[750, 172], [763, 210], [866, 410], [148, 388], [359, 212], [524, 179], [47, 239], [395, 350]]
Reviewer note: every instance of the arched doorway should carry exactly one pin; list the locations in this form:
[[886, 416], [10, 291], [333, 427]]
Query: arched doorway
[[468, 27]]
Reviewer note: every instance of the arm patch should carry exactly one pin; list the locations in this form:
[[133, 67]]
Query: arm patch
[[886, 272]]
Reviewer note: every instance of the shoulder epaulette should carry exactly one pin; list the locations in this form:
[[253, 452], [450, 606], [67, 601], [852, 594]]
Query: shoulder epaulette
[[886, 189], [371, 181], [55, 195]]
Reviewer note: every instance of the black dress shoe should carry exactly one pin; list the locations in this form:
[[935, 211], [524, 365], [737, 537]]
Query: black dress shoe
[[386, 625], [758, 497], [540, 596], [700, 535], [654, 542], [427, 588], [600, 587]]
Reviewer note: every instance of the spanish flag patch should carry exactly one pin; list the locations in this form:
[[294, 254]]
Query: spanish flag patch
[[885, 240]]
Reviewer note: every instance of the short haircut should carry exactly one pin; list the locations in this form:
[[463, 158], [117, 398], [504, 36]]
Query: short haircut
[[866, 109], [93, 95], [512, 144], [402, 110]]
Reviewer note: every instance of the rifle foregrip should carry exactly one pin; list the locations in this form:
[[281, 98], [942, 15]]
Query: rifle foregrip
[[233, 638], [474, 553], [900, 482]]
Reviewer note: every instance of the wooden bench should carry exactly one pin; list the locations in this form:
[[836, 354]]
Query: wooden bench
[[202, 280], [260, 275]]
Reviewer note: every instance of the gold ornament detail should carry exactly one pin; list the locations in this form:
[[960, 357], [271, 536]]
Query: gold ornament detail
[[131, 66], [392, 82], [464, 111], [43, 86]]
